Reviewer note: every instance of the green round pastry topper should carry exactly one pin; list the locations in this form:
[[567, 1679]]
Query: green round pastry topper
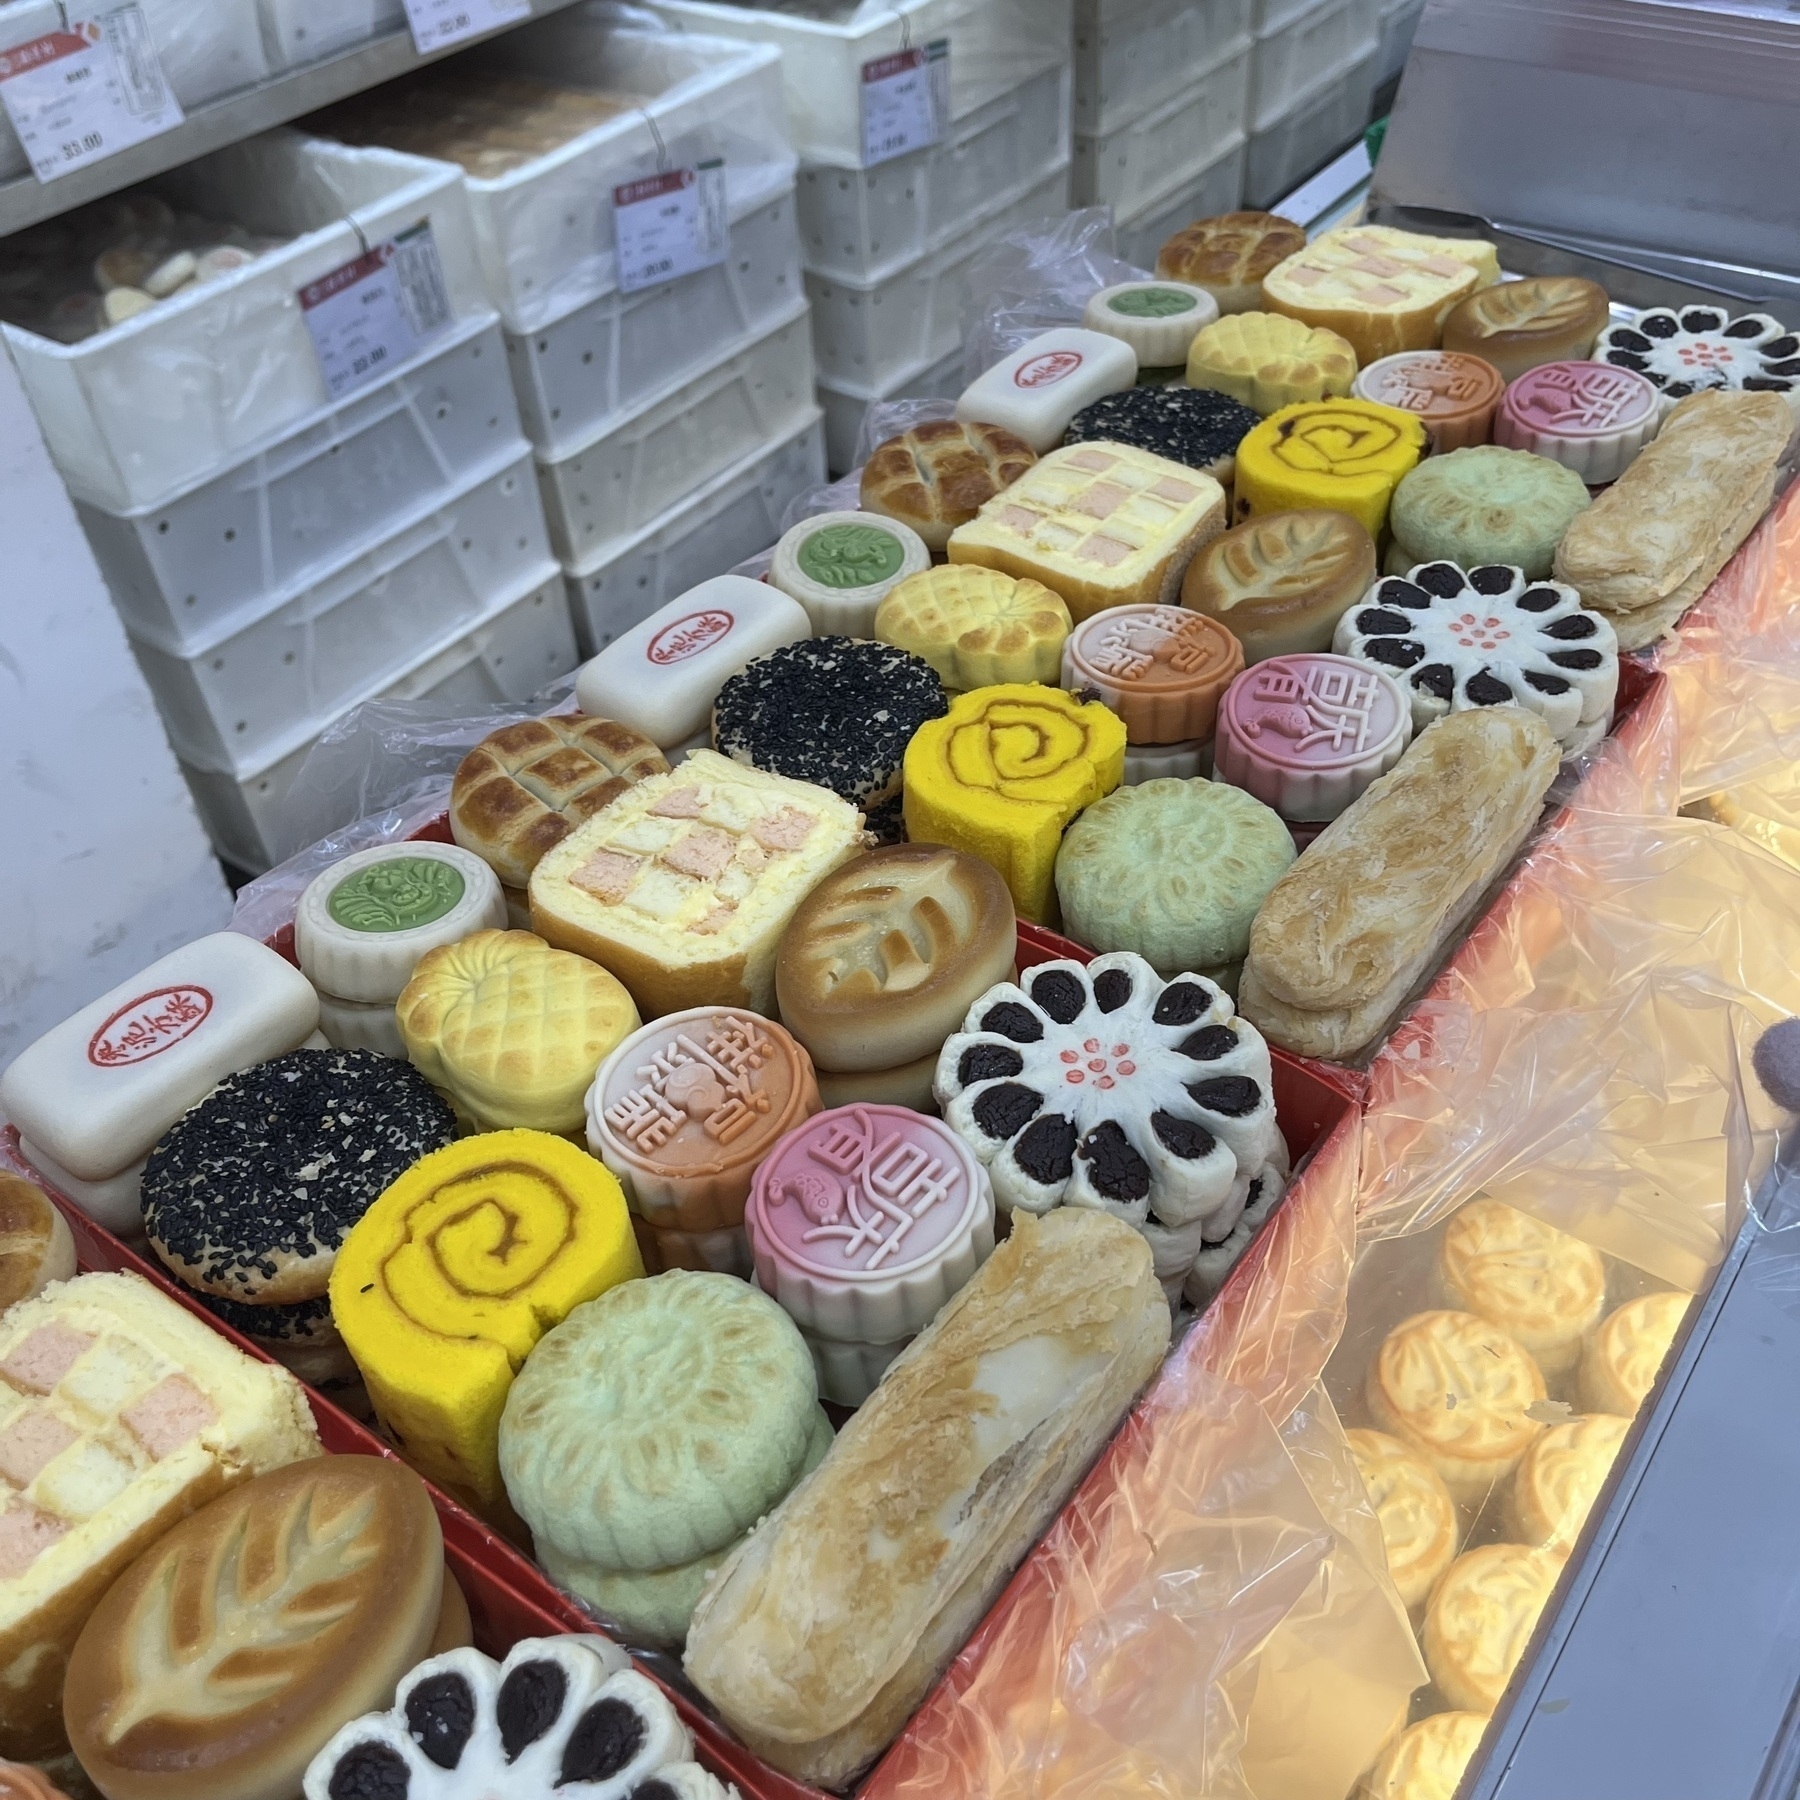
[[851, 556], [1151, 303], [396, 895]]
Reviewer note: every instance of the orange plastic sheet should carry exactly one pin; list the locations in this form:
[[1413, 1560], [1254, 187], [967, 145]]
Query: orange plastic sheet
[[1212, 1618]]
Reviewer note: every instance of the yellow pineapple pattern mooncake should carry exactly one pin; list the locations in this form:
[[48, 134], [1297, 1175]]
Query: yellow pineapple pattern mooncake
[[976, 626]]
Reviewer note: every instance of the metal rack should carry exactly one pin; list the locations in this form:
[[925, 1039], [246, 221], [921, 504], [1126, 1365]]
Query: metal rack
[[28, 201]]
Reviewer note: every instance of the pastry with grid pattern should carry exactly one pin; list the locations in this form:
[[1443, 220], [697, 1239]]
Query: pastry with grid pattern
[[235, 1646], [1480, 1618], [120, 1414], [938, 475], [1622, 1360], [1042, 385], [1382, 289], [511, 1030], [1355, 924], [1650, 546], [684, 887], [1266, 362], [1515, 325], [35, 1246], [976, 626], [1229, 255], [450, 1279], [1099, 524], [525, 787]]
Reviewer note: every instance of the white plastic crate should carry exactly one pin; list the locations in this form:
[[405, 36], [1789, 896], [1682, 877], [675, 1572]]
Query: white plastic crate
[[1330, 38], [734, 516], [616, 355], [526, 643], [544, 232], [297, 665], [1130, 55], [845, 404], [1128, 167], [995, 46], [863, 224], [1217, 188], [1398, 23], [626, 479], [1322, 125], [195, 384], [865, 334], [298, 32], [181, 570]]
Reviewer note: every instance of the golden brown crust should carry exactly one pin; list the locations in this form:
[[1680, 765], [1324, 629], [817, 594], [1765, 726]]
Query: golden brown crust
[[220, 1662], [1229, 255], [35, 1246], [455, 1629], [20, 1783], [939, 475], [1516, 325], [525, 787], [1281, 582], [1481, 1618]]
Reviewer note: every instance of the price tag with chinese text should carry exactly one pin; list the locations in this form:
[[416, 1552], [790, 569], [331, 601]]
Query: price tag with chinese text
[[370, 315]]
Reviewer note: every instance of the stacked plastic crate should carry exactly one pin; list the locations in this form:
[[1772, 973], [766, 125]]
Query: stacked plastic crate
[[1312, 79], [279, 554], [1399, 20], [1162, 98], [888, 239]]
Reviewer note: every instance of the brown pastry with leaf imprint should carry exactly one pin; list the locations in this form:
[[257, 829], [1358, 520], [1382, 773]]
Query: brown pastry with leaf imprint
[[1518, 325], [1280, 582], [940, 474]]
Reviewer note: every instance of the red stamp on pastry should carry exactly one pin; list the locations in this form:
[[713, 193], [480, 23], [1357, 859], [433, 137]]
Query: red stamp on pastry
[[688, 637], [1046, 370], [149, 1025]]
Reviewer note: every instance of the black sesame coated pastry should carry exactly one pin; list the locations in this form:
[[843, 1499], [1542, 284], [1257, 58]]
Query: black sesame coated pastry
[[251, 1193], [1195, 426], [835, 711], [562, 1718]]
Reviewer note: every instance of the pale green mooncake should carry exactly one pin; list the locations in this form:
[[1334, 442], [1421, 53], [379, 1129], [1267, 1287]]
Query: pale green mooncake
[[1174, 870], [1484, 505], [655, 1425]]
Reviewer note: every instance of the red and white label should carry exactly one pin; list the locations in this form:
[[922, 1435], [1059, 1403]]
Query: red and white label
[[670, 224], [905, 101], [1047, 370], [78, 96], [371, 314], [149, 1025], [688, 637], [437, 24]]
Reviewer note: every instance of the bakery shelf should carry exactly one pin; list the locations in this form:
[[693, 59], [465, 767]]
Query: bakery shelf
[[25, 201], [1131, 55]]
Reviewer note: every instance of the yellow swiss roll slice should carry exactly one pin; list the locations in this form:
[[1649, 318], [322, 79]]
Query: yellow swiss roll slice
[[446, 1284]]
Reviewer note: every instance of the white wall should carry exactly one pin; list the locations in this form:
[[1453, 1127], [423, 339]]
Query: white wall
[[103, 864]]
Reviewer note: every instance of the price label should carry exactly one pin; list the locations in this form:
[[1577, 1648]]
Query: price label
[[79, 95], [905, 101], [437, 24], [369, 316], [670, 224]]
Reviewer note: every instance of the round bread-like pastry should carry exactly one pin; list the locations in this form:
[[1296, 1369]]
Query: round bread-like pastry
[[217, 1665], [1174, 870], [363, 924], [1557, 1484], [659, 1422], [1199, 427], [1589, 417], [1105, 1086], [835, 711], [1682, 352], [1157, 319], [940, 474], [1420, 1529], [1545, 1289], [1625, 1356], [1486, 505], [1481, 1617], [18, 1782], [1348, 455], [886, 955], [840, 565], [1427, 1761], [1281, 582], [1455, 395], [906, 1084], [1268, 361], [250, 1195], [1458, 1391], [1229, 255], [1162, 669], [36, 1247], [1516, 325], [1489, 636], [687, 1106], [525, 787], [976, 626]]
